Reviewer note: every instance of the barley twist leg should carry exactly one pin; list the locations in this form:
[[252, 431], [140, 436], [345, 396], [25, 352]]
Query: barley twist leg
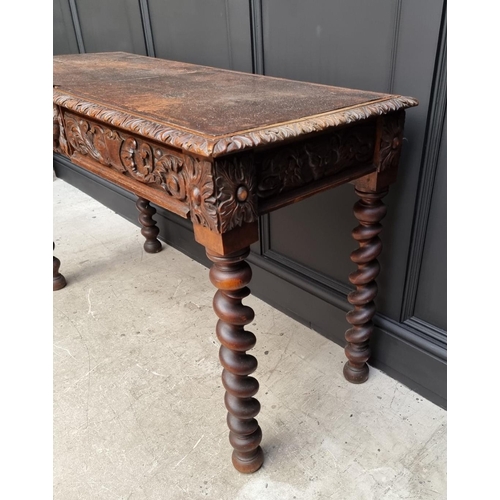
[[149, 229], [369, 211], [230, 274]]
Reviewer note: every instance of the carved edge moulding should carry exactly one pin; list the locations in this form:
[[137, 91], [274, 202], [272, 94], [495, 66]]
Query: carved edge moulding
[[217, 146], [226, 192]]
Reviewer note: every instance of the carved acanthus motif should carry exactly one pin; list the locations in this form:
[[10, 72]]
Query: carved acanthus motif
[[281, 171], [391, 141], [314, 159], [180, 176], [91, 139], [236, 192]]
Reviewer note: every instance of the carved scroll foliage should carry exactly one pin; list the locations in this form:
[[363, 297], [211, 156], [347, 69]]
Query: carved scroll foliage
[[391, 141], [314, 159], [93, 140], [180, 176], [137, 157], [236, 192]]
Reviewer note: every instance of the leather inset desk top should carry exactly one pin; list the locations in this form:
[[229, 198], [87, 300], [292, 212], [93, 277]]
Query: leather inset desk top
[[214, 110]]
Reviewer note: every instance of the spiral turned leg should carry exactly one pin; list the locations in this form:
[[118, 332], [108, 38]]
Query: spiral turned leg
[[369, 211], [149, 229], [59, 280], [230, 274]]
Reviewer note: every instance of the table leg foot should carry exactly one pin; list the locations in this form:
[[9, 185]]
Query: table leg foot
[[230, 274], [149, 229], [59, 280], [356, 375], [248, 465], [369, 211]]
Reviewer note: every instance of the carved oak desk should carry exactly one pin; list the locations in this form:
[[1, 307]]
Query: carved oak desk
[[221, 148]]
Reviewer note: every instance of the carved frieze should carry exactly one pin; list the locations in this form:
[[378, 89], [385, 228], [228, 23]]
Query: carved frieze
[[220, 197], [311, 160], [182, 177], [223, 194], [221, 202], [391, 141]]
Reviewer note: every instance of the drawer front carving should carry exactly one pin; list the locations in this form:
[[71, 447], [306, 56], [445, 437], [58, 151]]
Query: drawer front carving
[[303, 162], [220, 196], [182, 177]]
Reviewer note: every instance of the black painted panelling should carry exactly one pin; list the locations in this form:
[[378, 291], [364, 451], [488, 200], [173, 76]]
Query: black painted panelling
[[257, 36], [348, 44], [64, 39], [329, 59], [111, 25], [146, 26], [432, 150], [431, 304], [418, 42], [301, 230], [214, 33]]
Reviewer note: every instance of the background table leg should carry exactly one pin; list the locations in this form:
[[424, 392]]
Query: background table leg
[[149, 229], [369, 211], [59, 280], [230, 274]]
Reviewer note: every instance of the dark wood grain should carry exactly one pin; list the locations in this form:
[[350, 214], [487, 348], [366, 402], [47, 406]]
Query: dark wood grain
[[159, 90], [230, 274], [369, 211], [58, 279], [149, 229], [221, 147]]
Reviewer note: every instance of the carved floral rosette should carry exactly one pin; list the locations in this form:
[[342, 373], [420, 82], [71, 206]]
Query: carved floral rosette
[[391, 141], [236, 191]]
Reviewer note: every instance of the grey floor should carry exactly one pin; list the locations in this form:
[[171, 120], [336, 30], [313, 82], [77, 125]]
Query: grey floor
[[138, 403]]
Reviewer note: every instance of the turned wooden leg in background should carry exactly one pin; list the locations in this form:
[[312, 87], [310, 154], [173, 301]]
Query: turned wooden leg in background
[[149, 229], [230, 274], [369, 211], [59, 280]]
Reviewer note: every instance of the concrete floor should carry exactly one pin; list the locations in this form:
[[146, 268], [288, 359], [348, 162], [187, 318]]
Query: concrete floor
[[138, 403]]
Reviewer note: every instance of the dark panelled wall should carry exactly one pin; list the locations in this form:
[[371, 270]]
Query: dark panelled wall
[[386, 46]]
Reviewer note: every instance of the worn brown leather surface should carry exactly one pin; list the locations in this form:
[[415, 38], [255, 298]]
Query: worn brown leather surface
[[209, 101]]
